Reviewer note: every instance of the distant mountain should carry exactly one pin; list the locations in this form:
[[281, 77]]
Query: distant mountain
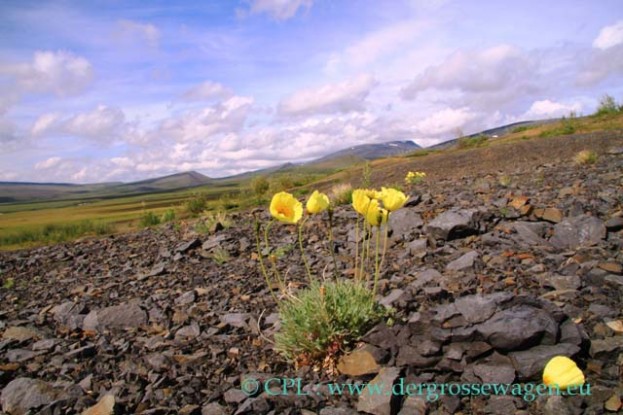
[[26, 191], [492, 132], [372, 151]]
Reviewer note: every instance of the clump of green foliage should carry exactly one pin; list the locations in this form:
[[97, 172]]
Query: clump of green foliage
[[585, 157], [608, 106], [55, 233], [9, 283], [472, 142], [567, 126], [168, 216], [520, 129], [149, 219], [196, 204], [220, 255], [210, 220], [260, 186], [322, 316], [341, 194]]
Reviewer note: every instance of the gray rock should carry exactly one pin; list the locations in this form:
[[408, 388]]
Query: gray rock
[[557, 405], [414, 405], [453, 224], [188, 332], [530, 233], [614, 280], [608, 345], [417, 248], [213, 242], [187, 298], [405, 223], [20, 355], [214, 408], [530, 363], [187, 246], [519, 327], [474, 308], [425, 277], [562, 282], [463, 263], [501, 405], [238, 320], [331, 410], [115, 317], [24, 394], [379, 404], [496, 369], [614, 224], [578, 231], [390, 298]]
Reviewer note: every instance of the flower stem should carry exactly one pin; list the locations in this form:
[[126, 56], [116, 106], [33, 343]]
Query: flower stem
[[282, 286], [309, 275], [385, 238], [376, 261], [261, 258], [357, 276], [331, 247]]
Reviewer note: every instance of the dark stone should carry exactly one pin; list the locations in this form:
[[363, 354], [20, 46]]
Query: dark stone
[[530, 363]]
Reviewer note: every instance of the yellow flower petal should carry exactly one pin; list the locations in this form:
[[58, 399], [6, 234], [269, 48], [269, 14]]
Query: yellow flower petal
[[393, 199], [563, 372], [317, 202], [285, 208], [376, 215], [361, 201]]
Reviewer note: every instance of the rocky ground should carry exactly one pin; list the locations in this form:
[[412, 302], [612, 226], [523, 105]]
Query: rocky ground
[[490, 275]]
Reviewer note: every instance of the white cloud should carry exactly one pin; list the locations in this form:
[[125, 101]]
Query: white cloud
[[551, 109], [487, 70], [48, 163], [102, 124], [278, 9], [145, 31], [601, 65], [221, 118], [60, 73], [375, 45], [444, 122], [330, 98], [609, 36], [207, 91]]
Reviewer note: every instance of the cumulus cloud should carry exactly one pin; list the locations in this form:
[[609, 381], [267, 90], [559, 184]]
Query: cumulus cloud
[[375, 45], [48, 163], [609, 36], [101, 124], [341, 97], [551, 109], [277, 9], [443, 122], [487, 70], [601, 64], [146, 32], [221, 118], [61, 73], [206, 91]]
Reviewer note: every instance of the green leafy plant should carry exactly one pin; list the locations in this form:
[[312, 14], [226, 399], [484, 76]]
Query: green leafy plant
[[220, 255], [608, 106], [324, 318], [341, 194], [585, 157], [168, 216], [472, 142], [8, 283], [196, 203], [149, 219]]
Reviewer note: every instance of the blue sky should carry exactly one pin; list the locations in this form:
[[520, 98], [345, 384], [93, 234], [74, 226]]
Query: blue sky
[[125, 90]]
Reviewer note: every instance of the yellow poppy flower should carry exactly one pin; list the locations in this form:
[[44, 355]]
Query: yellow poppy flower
[[563, 372], [373, 194], [285, 208], [376, 215], [361, 201], [317, 202], [392, 199]]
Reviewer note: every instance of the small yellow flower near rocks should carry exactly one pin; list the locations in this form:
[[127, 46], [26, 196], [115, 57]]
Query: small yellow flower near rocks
[[414, 177], [361, 201], [563, 372], [285, 208], [376, 215], [392, 199], [317, 202]]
